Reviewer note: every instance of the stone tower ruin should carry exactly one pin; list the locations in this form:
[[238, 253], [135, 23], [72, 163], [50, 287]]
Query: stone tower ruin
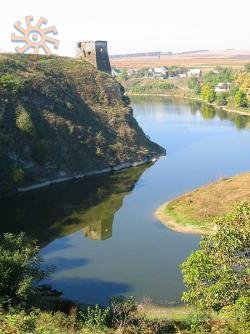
[[95, 52]]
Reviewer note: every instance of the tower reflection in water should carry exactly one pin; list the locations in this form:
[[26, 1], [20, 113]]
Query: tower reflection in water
[[99, 230], [89, 204]]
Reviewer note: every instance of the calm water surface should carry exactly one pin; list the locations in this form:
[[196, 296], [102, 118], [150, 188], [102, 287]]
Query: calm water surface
[[101, 233]]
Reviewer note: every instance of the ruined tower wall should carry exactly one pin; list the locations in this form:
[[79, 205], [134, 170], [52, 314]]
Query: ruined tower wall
[[96, 53], [102, 57]]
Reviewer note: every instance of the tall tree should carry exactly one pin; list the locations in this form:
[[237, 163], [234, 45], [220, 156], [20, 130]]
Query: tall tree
[[241, 99], [208, 93]]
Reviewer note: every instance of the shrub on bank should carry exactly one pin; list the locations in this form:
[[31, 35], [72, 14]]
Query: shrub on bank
[[208, 93], [240, 99], [217, 274], [20, 271], [149, 86], [24, 122], [222, 99]]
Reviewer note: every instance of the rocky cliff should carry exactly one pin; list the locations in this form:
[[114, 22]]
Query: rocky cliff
[[59, 117]]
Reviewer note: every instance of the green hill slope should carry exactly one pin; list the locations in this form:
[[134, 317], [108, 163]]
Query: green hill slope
[[59, 117]]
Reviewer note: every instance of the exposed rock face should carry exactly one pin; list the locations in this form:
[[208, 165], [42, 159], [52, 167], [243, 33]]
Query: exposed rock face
[[62, 115]]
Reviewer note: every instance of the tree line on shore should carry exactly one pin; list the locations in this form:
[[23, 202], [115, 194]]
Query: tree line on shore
[[235, 94]]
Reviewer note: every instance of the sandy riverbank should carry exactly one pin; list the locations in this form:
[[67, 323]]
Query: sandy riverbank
[[195, 211], [173, 225]]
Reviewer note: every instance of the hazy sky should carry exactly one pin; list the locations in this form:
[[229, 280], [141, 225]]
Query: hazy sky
[[136, 25]]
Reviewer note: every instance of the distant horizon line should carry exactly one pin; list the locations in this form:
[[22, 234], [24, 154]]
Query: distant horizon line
[[149, 53], [231, 52]]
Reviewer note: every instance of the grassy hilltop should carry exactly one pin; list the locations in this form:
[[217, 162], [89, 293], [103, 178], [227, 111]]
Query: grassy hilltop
[[60, 116]]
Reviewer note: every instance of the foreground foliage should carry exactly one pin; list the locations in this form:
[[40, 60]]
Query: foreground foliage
[[99, 321], [19, 271], [217, 274], [217, 277], [122, 316]]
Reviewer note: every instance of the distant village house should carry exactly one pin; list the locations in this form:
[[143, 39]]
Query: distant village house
[[131, 72], [159, 72], [222, 87], [194, 73]]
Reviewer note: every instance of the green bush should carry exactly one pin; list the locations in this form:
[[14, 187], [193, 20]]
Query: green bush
[[21, 322], [123, 75], [194, 85], [222, 74], [18, 175], [234, 88], [216, 275], [150, 86], [95, 317], [163, 85], [124, 311], [239, 311], [24, 122], [222, 99], [208, 93], [240, 99], [19, 270], [11, 83]]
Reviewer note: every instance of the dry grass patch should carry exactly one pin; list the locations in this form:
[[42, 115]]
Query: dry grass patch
[[174, 313], [198, 208]]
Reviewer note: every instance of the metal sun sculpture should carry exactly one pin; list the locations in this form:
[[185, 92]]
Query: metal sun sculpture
[[34, 36]]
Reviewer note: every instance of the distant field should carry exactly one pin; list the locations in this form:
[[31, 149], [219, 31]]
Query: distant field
[[233, 58]]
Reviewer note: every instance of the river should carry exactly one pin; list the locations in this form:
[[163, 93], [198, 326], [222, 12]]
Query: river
[[101, 233]]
